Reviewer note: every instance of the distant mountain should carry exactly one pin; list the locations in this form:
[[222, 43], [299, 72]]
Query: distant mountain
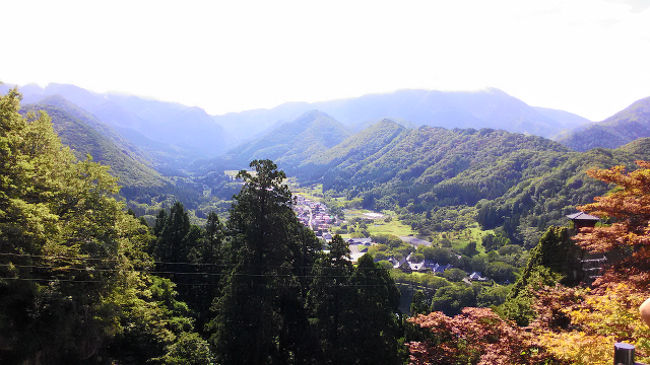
[[491, 108], [623, 127], [567, 121], [87, 136], [356, 148], [189, 130], [250, 124], [193, 134], [290, 144]]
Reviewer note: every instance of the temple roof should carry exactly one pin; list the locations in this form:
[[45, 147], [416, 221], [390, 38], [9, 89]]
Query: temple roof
[[582, 216]]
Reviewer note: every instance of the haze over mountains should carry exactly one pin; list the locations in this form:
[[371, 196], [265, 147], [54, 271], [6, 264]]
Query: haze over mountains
[[290, 144], [85, 135], [172, 139], [191, 132], [418, 152]]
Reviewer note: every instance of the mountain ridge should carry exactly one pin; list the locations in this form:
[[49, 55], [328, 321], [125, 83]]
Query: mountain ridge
[[212, 135], [85, 135], [623, 127]]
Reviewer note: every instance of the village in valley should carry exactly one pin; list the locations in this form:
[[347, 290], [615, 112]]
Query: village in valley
[[317, 216]]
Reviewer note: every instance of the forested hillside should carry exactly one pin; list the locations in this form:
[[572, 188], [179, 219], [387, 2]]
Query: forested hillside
[[85, 135], [623, 127], [436, 179], [521, 183], [189, 131], [162, 127], [292, 143]]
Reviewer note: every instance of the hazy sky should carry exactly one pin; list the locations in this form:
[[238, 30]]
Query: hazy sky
[[589, 57]]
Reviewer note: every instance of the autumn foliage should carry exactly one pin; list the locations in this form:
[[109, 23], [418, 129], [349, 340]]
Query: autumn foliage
[[628, 236], [576, 325], [581, 325], [476, 336]]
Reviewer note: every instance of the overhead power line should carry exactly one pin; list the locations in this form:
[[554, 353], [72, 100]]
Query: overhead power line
[[107, 260]]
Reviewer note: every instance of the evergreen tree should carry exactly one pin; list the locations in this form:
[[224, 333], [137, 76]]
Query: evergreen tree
[[331, 300], [161, 221], [260, 316], [206, 261], [374, 327], [173, 239]]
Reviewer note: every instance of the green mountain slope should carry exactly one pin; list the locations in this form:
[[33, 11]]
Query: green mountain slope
[[429, 159], [500, 179], [292, 143], [87, 136], [625, 126], [529, 207], [354, 149]]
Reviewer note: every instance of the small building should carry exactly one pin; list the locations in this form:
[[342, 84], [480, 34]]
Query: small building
[[582, 219], [441, 268], [366, 241], [592, 263], [476, 276], [396, 263]]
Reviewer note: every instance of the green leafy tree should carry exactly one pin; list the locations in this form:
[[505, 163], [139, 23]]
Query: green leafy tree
[[454, 274], [73, 266], [190, 349], [420, 303], [452, 299]]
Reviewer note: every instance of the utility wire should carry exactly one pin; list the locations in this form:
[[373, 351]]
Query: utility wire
[[199, 273], [212, 284], [154, 262]]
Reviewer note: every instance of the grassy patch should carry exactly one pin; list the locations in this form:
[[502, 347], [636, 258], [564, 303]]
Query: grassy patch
[[394, 227], [313, 192], [460, 239]]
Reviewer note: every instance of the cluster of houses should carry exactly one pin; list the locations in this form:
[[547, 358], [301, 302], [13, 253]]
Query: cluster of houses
[[314, 215], [359, 246], [407, 265]]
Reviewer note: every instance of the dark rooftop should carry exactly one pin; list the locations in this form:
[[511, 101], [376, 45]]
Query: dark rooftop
[[582, 216]]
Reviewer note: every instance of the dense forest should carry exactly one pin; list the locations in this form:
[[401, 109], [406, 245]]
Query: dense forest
[[87, 276], [84, 280], [445, 180]]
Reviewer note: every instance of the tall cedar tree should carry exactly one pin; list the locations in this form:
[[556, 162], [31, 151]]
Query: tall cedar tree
[[355, 310], [205, 258], [330, 301], [189, 256], [375, 326], [260, 316]]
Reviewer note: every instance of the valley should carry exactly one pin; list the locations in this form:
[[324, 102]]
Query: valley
[[453, 212], [417, 186], [325, 182]]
